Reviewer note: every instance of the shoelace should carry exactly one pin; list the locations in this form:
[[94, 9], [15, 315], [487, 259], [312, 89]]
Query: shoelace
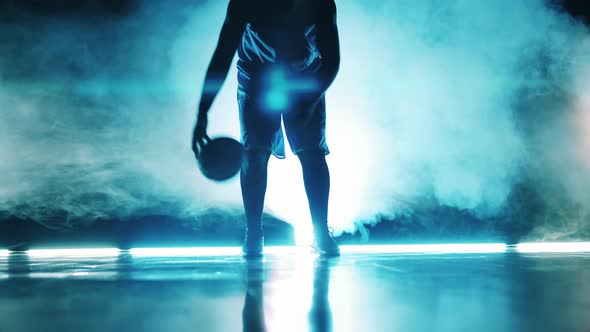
[[331, 231]]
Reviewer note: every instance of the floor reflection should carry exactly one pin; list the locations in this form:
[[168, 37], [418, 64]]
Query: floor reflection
[[320, 313], [296, 292], [19, 265], [253, 312]]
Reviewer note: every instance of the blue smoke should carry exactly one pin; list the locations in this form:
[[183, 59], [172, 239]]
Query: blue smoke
[[448, 103]]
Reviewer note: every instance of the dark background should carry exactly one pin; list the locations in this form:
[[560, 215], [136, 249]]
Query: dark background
[[577, 8]]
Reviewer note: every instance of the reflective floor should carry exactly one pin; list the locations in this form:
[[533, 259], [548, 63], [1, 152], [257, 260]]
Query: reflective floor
[[296, 291]]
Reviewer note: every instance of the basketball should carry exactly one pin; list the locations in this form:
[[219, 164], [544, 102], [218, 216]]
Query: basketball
[[221, 158]]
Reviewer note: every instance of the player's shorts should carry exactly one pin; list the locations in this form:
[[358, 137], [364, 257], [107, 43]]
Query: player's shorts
[[262, 128]]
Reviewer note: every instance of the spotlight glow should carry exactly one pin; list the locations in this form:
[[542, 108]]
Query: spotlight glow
[[83, 252], [555, 247]]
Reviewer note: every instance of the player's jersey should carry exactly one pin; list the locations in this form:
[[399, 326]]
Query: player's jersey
[[282, 32]]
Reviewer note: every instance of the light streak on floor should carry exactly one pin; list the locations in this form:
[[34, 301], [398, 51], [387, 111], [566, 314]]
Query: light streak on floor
[[532, 247]]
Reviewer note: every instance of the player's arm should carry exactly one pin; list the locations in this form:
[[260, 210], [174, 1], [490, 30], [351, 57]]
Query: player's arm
[[329, 45], [229, 39]]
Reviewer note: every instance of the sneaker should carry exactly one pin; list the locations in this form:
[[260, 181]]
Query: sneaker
[[253, 244], [324, 243]]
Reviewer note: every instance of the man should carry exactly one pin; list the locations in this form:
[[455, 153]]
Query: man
[[289, 54]]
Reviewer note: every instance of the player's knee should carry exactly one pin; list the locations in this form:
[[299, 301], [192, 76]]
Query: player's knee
[[255, 160], [313, 157]]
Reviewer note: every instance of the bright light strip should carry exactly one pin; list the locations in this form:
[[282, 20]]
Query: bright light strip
[[4, 253], [426, 248], [356, 249], [549, 247], [211, 251], [84, 252], [194, 251]]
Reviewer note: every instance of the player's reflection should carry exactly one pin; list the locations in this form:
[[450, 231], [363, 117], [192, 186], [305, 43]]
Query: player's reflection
[[19, 265], [320, 314], [253, 313], [124, 265]]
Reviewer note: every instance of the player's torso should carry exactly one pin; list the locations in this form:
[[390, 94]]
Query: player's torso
[[280, 32]]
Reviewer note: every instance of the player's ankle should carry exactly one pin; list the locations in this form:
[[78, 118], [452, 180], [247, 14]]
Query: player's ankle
[[321, 229], [254, 230]]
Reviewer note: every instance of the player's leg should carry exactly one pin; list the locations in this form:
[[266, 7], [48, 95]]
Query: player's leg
[[253, 179], [316, 178], [305, 130], [261, 135]]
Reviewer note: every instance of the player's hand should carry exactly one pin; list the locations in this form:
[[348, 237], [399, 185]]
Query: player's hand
[[200, 137]]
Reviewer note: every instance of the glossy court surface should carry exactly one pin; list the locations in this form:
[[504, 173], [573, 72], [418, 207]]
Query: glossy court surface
[[293, 290]]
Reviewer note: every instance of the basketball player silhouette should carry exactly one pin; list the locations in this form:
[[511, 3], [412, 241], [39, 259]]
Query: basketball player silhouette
[[288, 56]]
